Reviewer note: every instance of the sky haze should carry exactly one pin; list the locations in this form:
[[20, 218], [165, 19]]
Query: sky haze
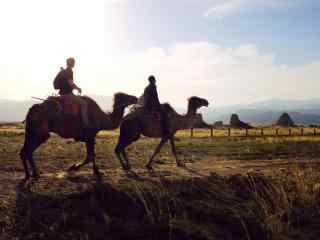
[[228, 51]]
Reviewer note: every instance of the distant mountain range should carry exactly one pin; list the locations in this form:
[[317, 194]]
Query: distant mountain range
[[15, 111], [265, 112], [304, 112]]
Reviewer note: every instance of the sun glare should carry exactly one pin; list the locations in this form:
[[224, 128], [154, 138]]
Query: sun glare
[[41, 34]]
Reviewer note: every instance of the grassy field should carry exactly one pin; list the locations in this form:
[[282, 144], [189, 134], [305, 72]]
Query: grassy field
[[232, 188]]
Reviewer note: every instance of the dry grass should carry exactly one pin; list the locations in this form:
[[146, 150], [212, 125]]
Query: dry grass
[[215, 207], [282, 205]]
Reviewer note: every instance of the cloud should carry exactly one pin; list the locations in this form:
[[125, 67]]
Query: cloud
[[224, 8], [221, 74]]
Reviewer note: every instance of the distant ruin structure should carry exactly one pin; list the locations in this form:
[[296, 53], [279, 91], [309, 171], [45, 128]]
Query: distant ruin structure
[[285, 121], [218, 124], [235, 122], [200, 123]]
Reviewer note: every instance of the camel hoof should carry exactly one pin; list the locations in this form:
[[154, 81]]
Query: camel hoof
[[97, 172], [73, 168], [181, 164], [149, 167], [35, 176], [126, 167], [132, 174], [26, 177]]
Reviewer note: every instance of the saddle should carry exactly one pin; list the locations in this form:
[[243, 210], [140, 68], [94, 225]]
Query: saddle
[[63, 111], [63, 105], [68, 106], [155, 115]]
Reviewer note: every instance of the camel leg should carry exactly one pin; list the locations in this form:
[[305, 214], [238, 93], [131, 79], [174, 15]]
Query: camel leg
[[158, 148], [40, 141], [174, 152], [24, 158], [26, 149], [122, 156], [118, 154], [34, 137], [27, 154], [120, 150], [35, 173], [90, 158], [127, 136], [91, 155]]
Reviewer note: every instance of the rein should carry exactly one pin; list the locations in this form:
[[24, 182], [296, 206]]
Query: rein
[[40, 99]]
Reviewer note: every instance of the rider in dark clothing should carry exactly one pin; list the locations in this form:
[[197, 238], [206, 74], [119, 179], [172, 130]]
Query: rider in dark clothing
[[65, 88], [152, 103], [65, 83], [151, 95]]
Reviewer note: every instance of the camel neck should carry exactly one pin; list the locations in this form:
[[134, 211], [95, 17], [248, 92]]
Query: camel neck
[[186, 121], [110, 121], [191, 112]]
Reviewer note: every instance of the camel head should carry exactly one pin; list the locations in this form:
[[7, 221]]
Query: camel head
[[194, 103], [122, 100]]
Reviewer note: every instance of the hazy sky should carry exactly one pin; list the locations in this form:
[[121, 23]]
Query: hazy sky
[[229, 51]]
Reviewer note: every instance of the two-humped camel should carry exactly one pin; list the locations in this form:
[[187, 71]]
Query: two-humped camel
[[139, 123], [42, 119]]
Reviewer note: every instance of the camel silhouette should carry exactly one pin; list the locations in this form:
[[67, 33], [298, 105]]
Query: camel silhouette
[[54, 115], [139, 123]]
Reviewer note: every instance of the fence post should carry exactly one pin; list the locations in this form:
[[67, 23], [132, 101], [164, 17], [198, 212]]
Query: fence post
[[277, 132], [289, 131], [315, 132], [211, 132], [191, 132], [247, 132], [262, 133], [302, 131], [229, 132]]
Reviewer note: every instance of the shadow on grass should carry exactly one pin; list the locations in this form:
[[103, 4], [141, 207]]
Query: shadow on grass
[[193, 172], [101, 212], [211, 207]]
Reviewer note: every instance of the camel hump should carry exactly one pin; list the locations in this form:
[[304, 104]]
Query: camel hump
[[67, 103], [168, 108]]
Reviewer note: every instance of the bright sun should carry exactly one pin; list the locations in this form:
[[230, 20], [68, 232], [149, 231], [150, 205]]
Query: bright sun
[[37, 36], [55, 28]]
